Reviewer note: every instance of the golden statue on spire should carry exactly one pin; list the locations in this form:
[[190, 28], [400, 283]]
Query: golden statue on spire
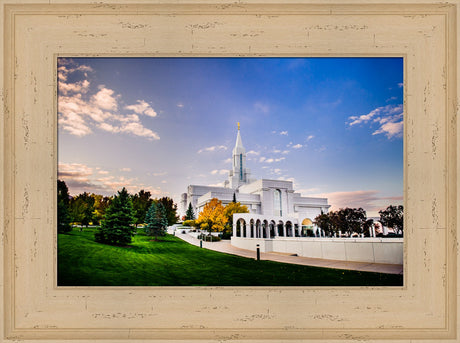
[[238, 126]]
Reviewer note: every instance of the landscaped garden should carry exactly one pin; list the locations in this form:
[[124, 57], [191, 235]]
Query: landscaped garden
[[169, 261]]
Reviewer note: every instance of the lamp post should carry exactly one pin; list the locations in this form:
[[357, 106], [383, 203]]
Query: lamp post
[[258, 252]]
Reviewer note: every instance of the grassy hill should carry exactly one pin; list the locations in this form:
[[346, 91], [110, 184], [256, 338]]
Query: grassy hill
[[172, 262]]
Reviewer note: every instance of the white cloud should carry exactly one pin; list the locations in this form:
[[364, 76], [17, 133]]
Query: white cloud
[[105, 100], [390, 129], [391, 98], [137, 129], [310, 137], [252, 152], [212, 148], [271, 160], [180, 105], [400, 85], [80, 86], [75, 125], [79, 111], [228, 160], [284, 133], [390, 119], [297, 146], [219, 172], [125, 169], [142, 107], [102, 172]]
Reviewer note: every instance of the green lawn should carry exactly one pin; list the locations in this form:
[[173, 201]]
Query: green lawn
[[172, 262]]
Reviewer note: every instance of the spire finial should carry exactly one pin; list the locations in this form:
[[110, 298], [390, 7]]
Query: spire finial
[[238, 126]]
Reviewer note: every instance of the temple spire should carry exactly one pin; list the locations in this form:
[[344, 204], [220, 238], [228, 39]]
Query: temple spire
[[238, 126]]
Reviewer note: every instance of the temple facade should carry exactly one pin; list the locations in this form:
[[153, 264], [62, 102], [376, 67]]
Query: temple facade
[[268, 201]]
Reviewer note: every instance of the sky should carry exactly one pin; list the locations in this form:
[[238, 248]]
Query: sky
[[332, 126]]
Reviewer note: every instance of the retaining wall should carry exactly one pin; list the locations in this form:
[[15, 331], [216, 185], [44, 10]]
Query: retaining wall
[[374, 250]]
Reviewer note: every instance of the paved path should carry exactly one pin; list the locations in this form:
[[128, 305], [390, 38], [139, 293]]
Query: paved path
[[226, 247]]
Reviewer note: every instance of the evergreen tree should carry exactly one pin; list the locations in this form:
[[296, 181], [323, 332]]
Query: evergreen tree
[[234, 197], [63, 214], [116, 227], [190, 214], [170, 209], [156, 220], [141, 204]]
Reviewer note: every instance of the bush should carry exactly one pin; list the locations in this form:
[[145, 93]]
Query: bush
[[209, 238], [189, 223], [225, 235]]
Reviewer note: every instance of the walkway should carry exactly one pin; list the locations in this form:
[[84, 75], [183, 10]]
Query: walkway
[[225, 247]]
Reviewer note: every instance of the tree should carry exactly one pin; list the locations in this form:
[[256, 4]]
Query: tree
[[212, 217], [348, 220], [82, 207], [234, 197], [141, 203], [393, 217], [190, 214], [116, 227], [170, 209], [156, 220], [323, 221], [229, 210], [63, 214], [101, 203]]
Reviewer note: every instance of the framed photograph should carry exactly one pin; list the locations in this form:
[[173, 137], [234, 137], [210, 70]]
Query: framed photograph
[[40, 39]]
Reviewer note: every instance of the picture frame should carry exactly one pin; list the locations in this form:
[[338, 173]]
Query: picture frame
[[35, 34]]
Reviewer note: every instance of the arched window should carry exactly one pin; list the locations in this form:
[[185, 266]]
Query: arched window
[[277, 203]]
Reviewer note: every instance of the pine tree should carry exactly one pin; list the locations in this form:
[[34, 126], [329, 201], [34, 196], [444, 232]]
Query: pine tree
[[156, 220], [63, 214], [170, 209], [116, 227], [190, 214], [234, 197]]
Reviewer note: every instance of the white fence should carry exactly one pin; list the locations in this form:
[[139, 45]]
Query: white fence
[[373, 250]]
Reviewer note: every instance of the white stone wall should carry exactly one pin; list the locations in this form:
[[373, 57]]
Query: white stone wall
[[372, 250]]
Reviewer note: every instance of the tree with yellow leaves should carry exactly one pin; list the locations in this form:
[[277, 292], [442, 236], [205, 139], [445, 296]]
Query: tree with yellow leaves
[[212, 218], [234, 207]]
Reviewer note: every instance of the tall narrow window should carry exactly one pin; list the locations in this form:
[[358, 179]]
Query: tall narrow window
[[277, 203], [241, 167]]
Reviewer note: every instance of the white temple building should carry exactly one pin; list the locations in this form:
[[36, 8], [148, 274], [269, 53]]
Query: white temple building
[[268, 201]]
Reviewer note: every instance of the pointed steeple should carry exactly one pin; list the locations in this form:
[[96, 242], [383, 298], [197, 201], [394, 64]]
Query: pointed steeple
[[239, 148], [239, 174]]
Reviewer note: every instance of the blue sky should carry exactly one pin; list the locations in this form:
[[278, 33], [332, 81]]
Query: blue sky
[[334, 126]]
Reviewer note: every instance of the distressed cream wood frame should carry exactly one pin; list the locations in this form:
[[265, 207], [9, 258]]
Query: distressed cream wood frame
[[34, 35]]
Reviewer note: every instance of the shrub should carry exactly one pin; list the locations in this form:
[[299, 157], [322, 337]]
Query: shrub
[[209, 238], [189, 223]]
